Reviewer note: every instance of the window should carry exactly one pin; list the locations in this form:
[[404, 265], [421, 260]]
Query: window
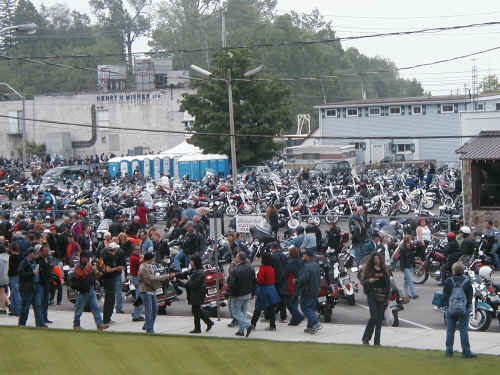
[[395, 110], [447, 108], [486, 184], [497, 107], [417, 109], [331, 113], [374, 111], [404, 148], [352, 112], [103, 140], [479, 106]]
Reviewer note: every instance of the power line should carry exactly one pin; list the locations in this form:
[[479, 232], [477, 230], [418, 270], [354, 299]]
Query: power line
[[403, 17], [297, 43], [269, 136]]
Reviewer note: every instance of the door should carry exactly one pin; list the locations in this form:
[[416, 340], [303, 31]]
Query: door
[[378, 153]]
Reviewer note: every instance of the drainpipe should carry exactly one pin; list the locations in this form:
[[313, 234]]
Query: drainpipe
[[93, 138]]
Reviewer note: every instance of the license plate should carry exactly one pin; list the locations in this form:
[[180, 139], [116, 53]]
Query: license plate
[[322, 299], [211, 291]]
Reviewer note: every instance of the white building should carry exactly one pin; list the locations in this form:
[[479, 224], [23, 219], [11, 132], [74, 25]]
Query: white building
[[136, 113]]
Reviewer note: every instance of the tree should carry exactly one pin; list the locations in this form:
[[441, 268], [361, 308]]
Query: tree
[[133, 23], [490, 84], [7, 9], [261, 107]]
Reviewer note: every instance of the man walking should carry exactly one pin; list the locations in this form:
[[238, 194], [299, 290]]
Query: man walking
[[241, 287], [112, 269], [308, 287], [29, 278], [43, 286], [85, 279]]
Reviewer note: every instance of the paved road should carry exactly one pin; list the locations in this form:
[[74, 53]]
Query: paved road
[[418, 313]]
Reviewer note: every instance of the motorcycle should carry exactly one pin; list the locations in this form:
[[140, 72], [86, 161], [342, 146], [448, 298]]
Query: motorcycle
[[431, 265]]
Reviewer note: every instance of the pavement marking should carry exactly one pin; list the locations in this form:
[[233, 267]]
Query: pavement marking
[[403, 320]]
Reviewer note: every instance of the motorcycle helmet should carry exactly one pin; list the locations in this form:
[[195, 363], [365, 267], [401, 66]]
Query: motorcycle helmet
[[465, 230], [485, 272], [451, 236]]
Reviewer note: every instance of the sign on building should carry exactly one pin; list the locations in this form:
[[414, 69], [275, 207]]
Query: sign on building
[[245, 222]]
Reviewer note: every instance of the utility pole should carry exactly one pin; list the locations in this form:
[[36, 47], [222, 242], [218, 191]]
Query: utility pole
[[223, 28], [231, 126]]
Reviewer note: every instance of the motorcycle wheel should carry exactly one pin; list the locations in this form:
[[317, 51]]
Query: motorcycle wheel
[[480, 321], [331, 217], [420, 273], [231, 211], [384, 211], [404, 209], [428, 204], [314, 219], [247, 209], [293, 223], [448, 202], [327, 314], [297, 216], [351, 300]]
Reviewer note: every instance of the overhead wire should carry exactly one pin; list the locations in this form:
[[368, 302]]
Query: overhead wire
[[240, 135]]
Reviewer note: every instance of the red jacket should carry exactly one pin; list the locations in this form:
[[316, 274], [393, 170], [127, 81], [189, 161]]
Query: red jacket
[[142, 212], [265, 276], [135, 263]]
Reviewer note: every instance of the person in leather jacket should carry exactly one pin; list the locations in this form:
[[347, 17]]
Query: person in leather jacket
[[468, 244], [452, 252]]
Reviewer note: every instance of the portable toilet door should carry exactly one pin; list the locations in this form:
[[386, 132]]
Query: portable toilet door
[[156, 168], [183, 168], [196, 170], [125, 167], [204, 165], [113, 169], [137, 165], [147, 167]]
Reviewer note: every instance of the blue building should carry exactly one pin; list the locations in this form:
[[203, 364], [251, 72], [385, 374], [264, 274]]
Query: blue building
[[403, 117]]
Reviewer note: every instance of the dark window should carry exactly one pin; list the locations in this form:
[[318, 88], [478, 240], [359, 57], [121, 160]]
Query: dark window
[[161, 81], [498, 106], [486, 184], [331, 113]]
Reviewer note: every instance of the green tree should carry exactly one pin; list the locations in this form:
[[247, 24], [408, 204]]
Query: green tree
[[490, 84], [7, 9], [261, 107], [131, 19]]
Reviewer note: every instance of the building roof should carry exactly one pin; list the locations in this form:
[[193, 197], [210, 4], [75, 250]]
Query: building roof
[[408, 100], [485, 147]]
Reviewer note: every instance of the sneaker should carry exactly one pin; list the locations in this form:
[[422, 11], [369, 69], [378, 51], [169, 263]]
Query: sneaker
[[139, 319], [317, 328], [239, 333], [233, 323], [297, 322], [102, 327], [309, 330], [3, 312], [415, 296], [195, 331], [49, 321]]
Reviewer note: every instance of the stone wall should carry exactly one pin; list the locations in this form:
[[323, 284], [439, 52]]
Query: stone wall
[[475, 218]]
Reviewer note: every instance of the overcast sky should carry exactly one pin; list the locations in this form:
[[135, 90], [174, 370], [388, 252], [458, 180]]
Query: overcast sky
[[358, 17]]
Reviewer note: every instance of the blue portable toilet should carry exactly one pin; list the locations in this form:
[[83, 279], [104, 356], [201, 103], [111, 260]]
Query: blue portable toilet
[[114, 166]]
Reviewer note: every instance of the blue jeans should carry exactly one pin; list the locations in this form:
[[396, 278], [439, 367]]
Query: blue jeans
[[308, 307], [179, 257], [39, 292], [377, 310], [409, 285], [118, 293], [30, 298], [150, 311], [239, 310], [15, 297], [356, 253], [463, 327], [45, 302], [81, 302], [494, 253], [137, 309], [292, 303]]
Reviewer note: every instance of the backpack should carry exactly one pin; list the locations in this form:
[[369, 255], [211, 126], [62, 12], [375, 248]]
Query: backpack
[[457, 305]]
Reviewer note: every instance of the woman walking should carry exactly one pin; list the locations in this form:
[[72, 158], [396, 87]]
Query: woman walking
[[377, 287], [196, 291], [267, 296], [407, 262], [424, 237]]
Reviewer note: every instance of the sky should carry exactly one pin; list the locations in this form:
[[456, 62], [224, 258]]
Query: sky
[[360, 17]]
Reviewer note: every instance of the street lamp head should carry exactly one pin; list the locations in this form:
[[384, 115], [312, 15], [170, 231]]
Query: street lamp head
[[253, 71], [202, 71], [28, 28]]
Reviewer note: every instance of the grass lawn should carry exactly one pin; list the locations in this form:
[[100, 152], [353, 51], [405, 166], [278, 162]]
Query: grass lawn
[[38, 351]]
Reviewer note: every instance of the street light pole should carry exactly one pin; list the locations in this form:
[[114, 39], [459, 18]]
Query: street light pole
[[24, 119], [231, 125], [232, 134]]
